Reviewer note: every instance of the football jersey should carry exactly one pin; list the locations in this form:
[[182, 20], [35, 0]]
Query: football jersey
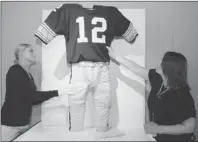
[[87, 31]]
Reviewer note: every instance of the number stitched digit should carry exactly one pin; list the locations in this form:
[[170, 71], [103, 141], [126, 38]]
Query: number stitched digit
[[81, 22], [96, 30]]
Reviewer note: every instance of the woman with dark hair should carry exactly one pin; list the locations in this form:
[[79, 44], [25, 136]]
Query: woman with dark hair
[[21, 94], [172, 115]]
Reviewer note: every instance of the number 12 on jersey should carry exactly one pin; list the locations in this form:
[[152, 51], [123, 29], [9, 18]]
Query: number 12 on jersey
[[94, 32]]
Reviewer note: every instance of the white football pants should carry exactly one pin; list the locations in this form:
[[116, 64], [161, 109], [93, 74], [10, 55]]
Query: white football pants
[[83, 76]]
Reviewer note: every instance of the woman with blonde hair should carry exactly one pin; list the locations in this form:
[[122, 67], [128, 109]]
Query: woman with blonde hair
[[21, 94]]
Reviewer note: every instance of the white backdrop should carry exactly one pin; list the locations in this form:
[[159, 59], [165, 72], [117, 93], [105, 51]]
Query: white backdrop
[[127, 89]]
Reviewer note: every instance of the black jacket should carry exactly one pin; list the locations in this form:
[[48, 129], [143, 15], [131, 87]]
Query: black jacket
[[21, 95]]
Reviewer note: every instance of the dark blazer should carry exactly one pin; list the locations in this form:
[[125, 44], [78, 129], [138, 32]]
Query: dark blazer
[[21, 95]]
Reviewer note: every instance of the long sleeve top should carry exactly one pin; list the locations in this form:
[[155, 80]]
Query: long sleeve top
[[21, 95]]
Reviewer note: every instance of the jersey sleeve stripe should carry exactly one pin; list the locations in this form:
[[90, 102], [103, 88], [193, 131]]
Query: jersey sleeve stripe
[[41, 37], [130, 33], [38, 36], [44, 34], [127, 31], [48, 29]]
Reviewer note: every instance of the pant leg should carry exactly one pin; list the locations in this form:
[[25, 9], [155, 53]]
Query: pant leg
[[76, 98], [10, 133], [102, 98]]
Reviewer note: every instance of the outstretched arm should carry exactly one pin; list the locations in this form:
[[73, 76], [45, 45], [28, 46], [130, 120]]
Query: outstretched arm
[[41, 96], [132, 66], [188, 126]]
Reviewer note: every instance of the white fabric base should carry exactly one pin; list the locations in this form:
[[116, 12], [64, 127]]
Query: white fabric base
[[58, 133]]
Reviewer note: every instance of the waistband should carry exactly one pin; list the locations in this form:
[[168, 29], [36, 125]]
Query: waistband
[[91, 64]]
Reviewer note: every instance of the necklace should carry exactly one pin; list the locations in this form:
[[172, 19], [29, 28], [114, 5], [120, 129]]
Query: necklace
[[159, 93]]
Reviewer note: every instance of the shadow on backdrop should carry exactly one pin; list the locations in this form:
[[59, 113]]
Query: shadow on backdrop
[[116, 74]]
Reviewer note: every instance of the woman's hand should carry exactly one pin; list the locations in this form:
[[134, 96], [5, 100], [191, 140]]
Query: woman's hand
[[111, 52], [151, 128]]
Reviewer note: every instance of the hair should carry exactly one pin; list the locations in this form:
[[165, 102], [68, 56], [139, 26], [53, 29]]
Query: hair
[[174, 67], [19, 48]]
